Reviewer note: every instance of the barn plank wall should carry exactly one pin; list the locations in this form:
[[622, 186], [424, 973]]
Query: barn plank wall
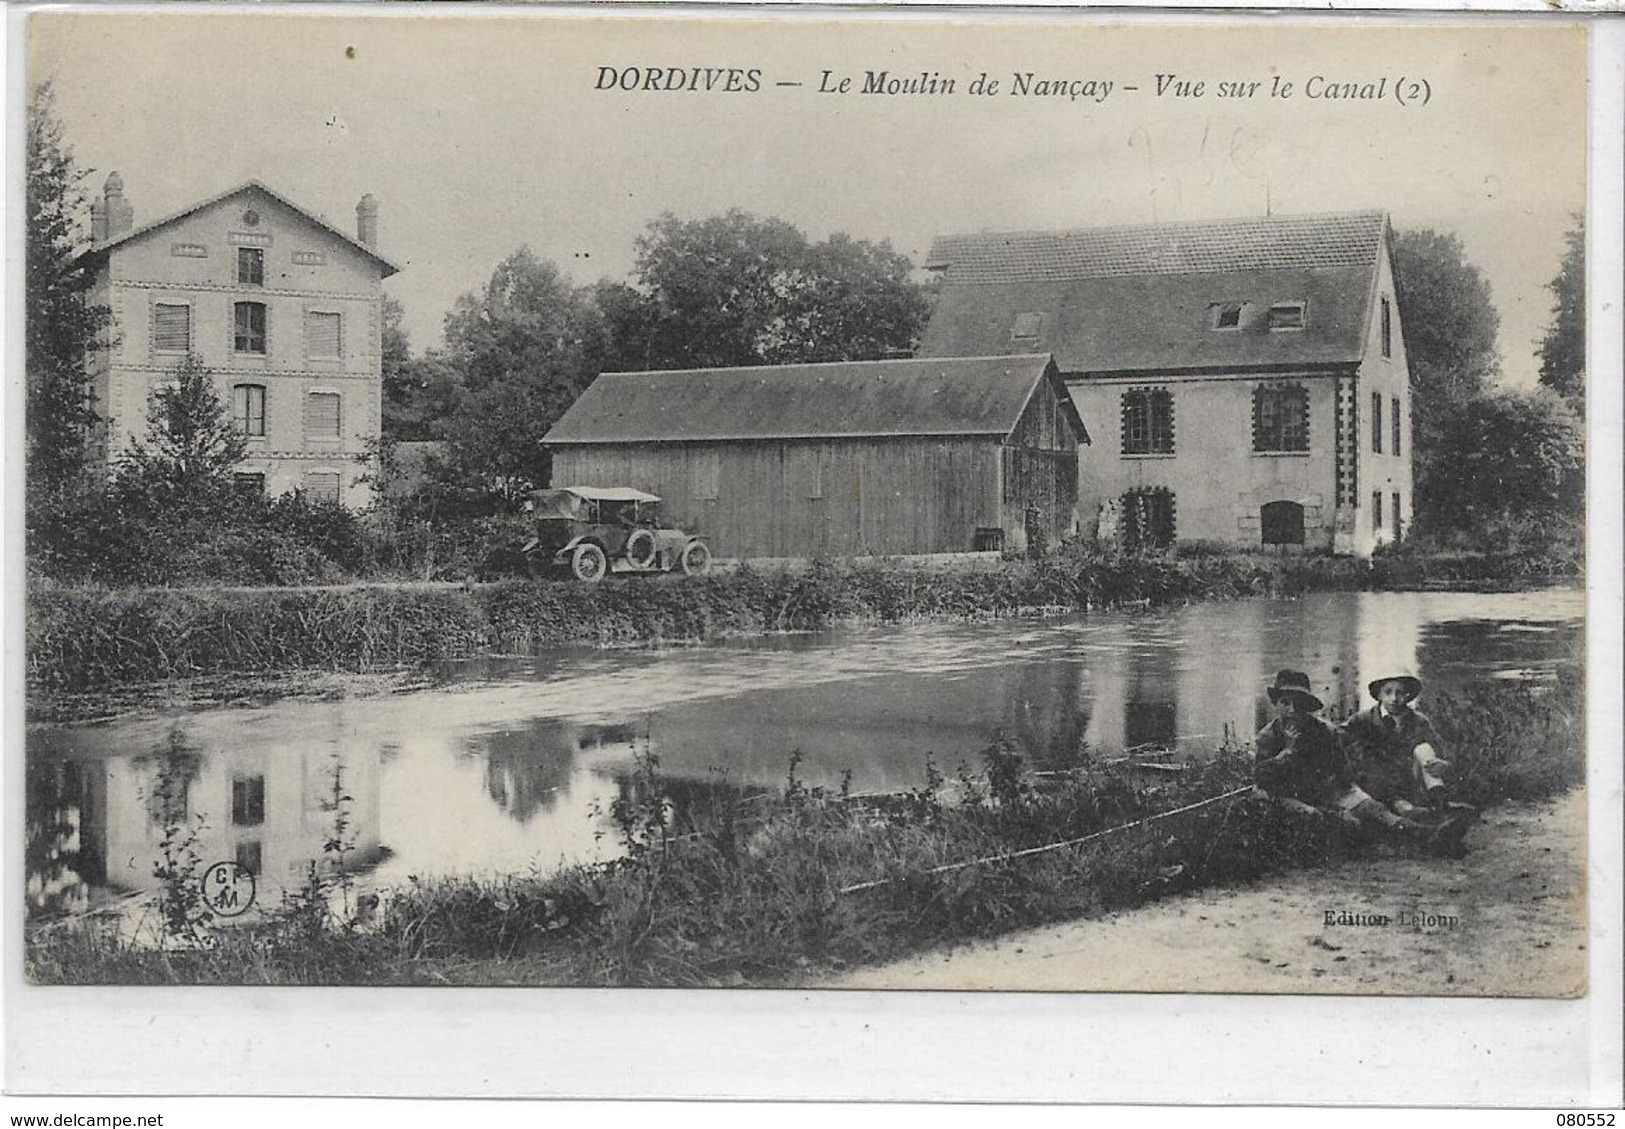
[[1041, 468], [812, 498]]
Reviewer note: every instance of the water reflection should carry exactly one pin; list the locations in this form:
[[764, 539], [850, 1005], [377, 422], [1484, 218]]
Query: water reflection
[[98, 818], [504, 772]]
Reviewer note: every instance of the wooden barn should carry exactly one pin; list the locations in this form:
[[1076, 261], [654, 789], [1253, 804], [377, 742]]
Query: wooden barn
[[847, 459]]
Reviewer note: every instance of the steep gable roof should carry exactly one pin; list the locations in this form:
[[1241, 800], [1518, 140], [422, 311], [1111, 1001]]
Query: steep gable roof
[[101, 249], [847, 399], [1142, 297]]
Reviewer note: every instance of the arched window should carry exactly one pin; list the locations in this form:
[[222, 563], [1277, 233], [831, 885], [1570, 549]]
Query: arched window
[[1282, 522]]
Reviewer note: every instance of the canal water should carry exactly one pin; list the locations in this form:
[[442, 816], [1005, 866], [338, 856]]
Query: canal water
[[509, 766]]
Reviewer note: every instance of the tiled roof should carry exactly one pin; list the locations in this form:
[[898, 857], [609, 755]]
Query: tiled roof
[[1261, 243], [1122, 299], [849, 399]]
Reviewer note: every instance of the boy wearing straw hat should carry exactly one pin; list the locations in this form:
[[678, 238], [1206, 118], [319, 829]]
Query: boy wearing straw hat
[[1393, 749]]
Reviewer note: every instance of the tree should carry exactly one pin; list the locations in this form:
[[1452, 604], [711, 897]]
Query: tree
[[62, 327], [522, 350], [191, 449], [395, 345], [419, 392], [1450, 324], [738, 290], [1563, 350], [1449, 318], [1515, 471]]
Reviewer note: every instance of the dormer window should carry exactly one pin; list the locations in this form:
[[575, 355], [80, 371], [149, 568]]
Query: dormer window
[[1287, 315], [1027, 327], [1227, 315]]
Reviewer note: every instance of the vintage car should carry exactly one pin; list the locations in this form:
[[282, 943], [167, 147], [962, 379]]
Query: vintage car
[[590, 531]]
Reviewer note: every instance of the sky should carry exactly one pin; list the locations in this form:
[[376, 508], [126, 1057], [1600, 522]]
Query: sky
[[479, 133]]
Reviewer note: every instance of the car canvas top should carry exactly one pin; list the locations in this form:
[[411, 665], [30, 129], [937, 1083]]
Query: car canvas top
[[607, 494]]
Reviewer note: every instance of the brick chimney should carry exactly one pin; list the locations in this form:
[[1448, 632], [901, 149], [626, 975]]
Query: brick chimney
[[366, 221], [112, 215]]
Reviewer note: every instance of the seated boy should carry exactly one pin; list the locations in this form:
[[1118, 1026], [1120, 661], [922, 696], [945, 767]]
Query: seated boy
[[1394, 755], [1299, 761]]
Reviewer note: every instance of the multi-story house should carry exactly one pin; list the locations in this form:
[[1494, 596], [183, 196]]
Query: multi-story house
[[1245, 381], [284, 309]]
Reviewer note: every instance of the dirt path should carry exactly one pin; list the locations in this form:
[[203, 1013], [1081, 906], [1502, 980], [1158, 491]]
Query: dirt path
[[1507, 920]]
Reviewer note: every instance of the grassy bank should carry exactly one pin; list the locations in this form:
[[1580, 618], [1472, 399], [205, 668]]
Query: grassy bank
[[84, 640], [766, 889]]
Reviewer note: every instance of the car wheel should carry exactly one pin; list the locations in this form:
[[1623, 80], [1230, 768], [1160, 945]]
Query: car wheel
[[696, 559], [640, 549], [588, 563]]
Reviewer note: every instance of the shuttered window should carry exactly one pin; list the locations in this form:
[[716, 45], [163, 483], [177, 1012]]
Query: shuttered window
[[1394, 419], [172, 327], [248, 408], [322, 332], [322, 486], [322, 415]]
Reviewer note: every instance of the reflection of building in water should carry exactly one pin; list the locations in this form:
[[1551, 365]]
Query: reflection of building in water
[[272, 813], [1389, 644], [1135, 689], [63, 860], [1191, 689], [1045, 714], [883, 730]]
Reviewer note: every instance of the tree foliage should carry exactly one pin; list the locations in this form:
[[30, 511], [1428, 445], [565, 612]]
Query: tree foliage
[[62, 327], [1515, 471], [735, 289], [1563, 350], [192, 446], [520, 351], [1450, 324], [1449, 319], [419, 392]]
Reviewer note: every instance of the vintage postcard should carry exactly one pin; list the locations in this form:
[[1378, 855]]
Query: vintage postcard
[[1027, 503]]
